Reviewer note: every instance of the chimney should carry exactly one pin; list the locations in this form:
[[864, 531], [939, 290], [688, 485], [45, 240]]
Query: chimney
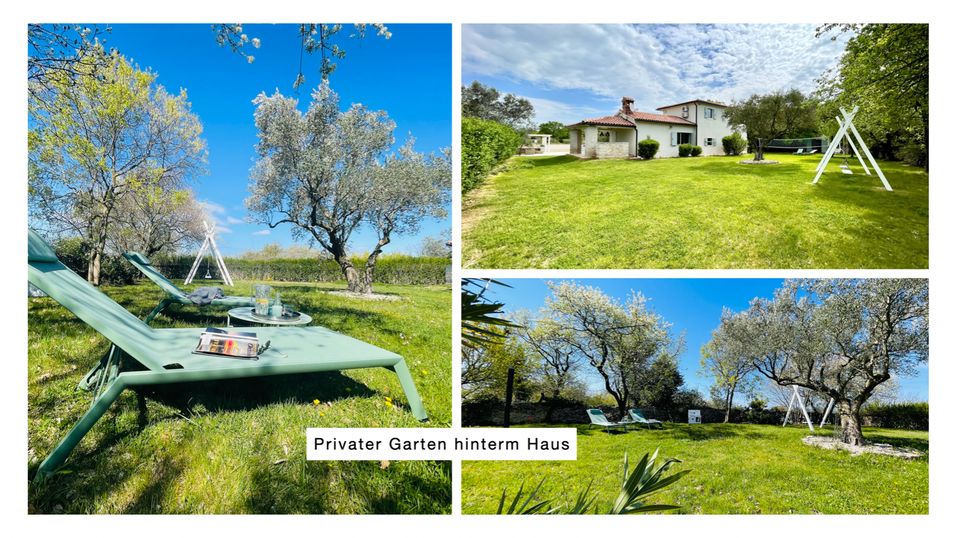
[[626, 105]]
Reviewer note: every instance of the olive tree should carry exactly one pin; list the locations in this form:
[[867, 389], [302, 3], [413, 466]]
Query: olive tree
[[98, 134], [152, 220], [618, 339], [315, 38], [551, 344], [773, 115], [327, 172], [484, 368], [730, 367], [840, 338]]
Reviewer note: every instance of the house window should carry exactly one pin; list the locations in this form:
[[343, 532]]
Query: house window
[[685, 112], [684, 138], [603, 136], [707, 141], [709, 113]]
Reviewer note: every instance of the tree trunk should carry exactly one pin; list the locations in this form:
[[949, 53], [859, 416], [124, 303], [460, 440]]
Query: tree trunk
[[726, 413], [621, 407], [850, 431], [369, 268], [93, 266], [758, 154], [355, 280], [97, 247]]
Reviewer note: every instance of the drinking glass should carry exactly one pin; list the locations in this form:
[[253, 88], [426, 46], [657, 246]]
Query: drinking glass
[[262, 300]]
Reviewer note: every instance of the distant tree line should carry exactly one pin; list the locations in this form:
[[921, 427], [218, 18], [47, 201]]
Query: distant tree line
[[884, 70]]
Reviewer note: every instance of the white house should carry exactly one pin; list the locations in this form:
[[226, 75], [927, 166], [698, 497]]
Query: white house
[[696, 122]]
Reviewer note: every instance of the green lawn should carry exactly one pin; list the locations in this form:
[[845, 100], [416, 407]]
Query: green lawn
[[735, 469], [707, 212], [238, 446]]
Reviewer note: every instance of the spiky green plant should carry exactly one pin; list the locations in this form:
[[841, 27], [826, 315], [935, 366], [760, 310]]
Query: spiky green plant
[[644, 480], [525, 508], [477, 312]]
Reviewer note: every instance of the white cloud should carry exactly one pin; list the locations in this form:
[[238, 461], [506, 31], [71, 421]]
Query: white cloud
[[220, 230], [657, 65], [262, 232], [213, 208], [234, 220], [552, 110]]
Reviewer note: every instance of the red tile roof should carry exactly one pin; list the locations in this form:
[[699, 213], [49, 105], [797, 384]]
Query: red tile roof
[[661, 118], [617, 120], [613, 121]]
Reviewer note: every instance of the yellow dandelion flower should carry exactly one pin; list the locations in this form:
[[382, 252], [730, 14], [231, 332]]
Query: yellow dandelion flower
[[316, 402]]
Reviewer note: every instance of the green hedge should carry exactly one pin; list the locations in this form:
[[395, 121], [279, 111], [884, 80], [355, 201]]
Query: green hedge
[[113, 269], [391, 268], [484, 144], [901, 416]]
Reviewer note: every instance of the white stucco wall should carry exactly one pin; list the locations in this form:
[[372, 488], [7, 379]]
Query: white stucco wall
[[574, 141], [589, 142], [628, 137], [678, 111], [716, 127], [661, 133]]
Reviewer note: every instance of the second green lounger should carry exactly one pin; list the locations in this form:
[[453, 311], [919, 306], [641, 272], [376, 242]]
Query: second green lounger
[[175, 294], [141, 355]]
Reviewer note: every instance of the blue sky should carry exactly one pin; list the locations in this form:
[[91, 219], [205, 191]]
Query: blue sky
[[408, 76], [691, 306], [575, 71]]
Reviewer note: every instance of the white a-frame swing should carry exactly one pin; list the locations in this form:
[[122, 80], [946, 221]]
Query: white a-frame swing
[[847, 127], [209, 243], [802, 404]]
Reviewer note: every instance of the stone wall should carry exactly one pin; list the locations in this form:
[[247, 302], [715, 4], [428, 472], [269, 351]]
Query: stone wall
[[490, 413], [613, 150]]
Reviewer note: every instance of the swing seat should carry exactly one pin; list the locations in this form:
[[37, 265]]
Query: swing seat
[[174, 294], [846, 169]]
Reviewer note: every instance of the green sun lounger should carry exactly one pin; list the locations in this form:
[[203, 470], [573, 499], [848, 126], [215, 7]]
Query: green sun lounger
[[638, 418], [597, 418], [174, 294], [141, 355]]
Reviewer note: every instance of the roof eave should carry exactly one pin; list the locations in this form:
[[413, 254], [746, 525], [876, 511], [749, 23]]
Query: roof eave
[[714, 103]]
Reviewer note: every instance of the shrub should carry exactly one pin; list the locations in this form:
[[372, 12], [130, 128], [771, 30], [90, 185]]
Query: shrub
[[685, 150], [484, 144], [695, 151], [734, 144], [646, 149]]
